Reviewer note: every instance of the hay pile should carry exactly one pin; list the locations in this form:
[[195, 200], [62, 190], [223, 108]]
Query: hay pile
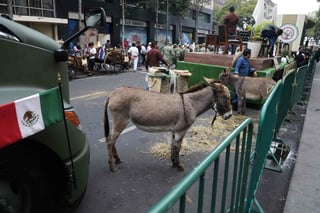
[[201, 137]]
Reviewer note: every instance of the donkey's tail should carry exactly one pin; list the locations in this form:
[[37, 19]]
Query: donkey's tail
[[106, 119]]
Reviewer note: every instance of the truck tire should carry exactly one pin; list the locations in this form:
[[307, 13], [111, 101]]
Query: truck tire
[[26, 184]]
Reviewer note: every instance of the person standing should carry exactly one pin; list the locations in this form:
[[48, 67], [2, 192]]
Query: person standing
[[91, 55], [243, 68], [167, 52], [77, 49], [149, 47], [154, 57], [140, 55], [231, 21], [134, 55], [143, 53], [271, 32], [108, 45]]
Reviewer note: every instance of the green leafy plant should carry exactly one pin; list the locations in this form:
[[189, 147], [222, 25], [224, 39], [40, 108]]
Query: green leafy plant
[[256, 31]]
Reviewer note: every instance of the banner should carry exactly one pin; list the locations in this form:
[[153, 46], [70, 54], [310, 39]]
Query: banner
[[265, 10], [29, 115]]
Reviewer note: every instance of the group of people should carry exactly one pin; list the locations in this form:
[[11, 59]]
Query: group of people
[[153, 55], [302, 57], [269, 31]]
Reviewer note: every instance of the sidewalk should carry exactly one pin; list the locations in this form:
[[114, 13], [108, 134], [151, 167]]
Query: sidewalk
[[304, 189]]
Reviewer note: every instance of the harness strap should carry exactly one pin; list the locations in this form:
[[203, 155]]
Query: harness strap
[[184, 108]]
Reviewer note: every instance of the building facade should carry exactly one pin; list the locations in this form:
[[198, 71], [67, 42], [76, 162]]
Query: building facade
[[139, 23], [38, 14], [59, 19]]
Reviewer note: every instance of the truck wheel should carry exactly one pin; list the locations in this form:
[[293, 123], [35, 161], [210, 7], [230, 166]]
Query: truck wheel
[[26, 185]]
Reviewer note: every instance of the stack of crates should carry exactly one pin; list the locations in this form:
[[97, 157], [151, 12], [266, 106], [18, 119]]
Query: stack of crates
[[182, 78], [158, 80], [162, 80]]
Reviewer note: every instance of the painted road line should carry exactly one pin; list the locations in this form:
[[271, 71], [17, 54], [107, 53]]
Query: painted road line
[[129, 129], [91, 95]]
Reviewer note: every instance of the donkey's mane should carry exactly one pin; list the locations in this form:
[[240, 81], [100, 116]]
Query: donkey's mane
[[198, 87]]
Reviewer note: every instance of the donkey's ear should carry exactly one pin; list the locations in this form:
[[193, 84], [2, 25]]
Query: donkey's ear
[[211, 81], [229, 70], [207, 80], [216, 85]]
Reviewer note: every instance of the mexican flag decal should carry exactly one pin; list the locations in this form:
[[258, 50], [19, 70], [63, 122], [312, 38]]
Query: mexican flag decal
[[29, 115]]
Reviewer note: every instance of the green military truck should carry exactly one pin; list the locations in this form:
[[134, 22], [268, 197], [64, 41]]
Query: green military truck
[[46, 170]]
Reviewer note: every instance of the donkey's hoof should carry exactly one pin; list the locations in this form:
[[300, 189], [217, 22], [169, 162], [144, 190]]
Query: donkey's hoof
[[180, 168], [241, 112], [118, 161], [113, 169]]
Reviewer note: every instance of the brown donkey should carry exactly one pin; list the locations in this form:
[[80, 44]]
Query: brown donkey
[[253, 88], [158, 112]]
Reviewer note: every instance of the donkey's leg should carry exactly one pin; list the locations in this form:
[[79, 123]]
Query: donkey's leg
[[176, 146], [241, 102], [172, 145], [110, 145], [119, 123], [244, 105]]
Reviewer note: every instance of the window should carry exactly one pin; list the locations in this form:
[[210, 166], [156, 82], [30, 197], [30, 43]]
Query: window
[[43, 8], [48, 4], [20, 2], [3, 6], [204, 17]]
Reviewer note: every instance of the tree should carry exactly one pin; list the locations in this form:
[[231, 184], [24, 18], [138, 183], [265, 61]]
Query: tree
[[179, 8], [196, 7], [244, 8], [315, 31]]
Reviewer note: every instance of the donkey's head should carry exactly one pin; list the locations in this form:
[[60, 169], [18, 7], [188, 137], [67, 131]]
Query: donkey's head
[[221, 95], [224, 76]]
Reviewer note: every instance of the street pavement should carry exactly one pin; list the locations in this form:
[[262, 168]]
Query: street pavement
[[295, 189]]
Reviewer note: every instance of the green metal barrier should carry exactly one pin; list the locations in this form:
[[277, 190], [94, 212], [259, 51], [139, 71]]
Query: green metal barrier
[[303, 73], [267, 122], [228, 190], [299, 83], [288, 82], [288, 86]]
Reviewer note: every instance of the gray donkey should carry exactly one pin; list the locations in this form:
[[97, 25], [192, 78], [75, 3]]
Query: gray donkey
[[158, 112], [254, 88]]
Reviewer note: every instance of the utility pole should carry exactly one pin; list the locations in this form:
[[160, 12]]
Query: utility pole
[[80, 14], [167, 22], [157, 19], [123, 22], [10, 9]]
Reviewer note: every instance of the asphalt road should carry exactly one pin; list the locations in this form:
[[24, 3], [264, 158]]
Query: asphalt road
[[143, 178]]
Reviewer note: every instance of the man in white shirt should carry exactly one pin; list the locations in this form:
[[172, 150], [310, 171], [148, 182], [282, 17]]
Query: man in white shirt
[[91, 54], [134, 55]]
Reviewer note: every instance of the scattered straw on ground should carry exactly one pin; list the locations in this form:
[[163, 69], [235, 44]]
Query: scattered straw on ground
[[201, 137]]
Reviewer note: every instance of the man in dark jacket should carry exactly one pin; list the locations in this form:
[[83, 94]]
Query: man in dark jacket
[[231, 21], [271, 32], [154, 57]]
